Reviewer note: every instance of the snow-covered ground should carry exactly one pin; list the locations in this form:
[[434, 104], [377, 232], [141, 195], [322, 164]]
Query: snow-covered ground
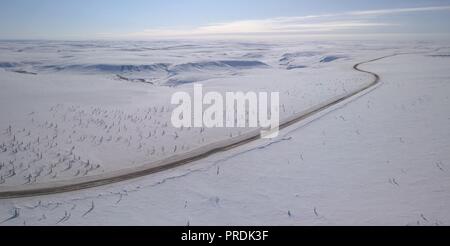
[[71, 109], [380, 158]]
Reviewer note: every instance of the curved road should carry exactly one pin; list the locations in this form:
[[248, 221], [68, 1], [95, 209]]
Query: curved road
[[172, 162]]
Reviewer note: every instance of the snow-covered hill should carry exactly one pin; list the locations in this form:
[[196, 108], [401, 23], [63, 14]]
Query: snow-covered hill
[[379, 159]]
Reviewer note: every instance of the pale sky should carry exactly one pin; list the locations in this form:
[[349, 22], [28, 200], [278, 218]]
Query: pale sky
[[141, 19]]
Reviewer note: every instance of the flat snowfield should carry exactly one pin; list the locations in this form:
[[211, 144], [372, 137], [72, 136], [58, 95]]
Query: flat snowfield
[[378, 158]]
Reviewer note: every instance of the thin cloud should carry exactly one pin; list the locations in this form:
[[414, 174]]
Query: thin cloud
[[399, 11], [314, 24]]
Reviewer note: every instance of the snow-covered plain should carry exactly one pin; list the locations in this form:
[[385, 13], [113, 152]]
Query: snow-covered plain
[[82, 109], [73, 109]]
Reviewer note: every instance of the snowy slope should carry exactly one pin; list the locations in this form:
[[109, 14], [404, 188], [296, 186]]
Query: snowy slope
[[379, 159]]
